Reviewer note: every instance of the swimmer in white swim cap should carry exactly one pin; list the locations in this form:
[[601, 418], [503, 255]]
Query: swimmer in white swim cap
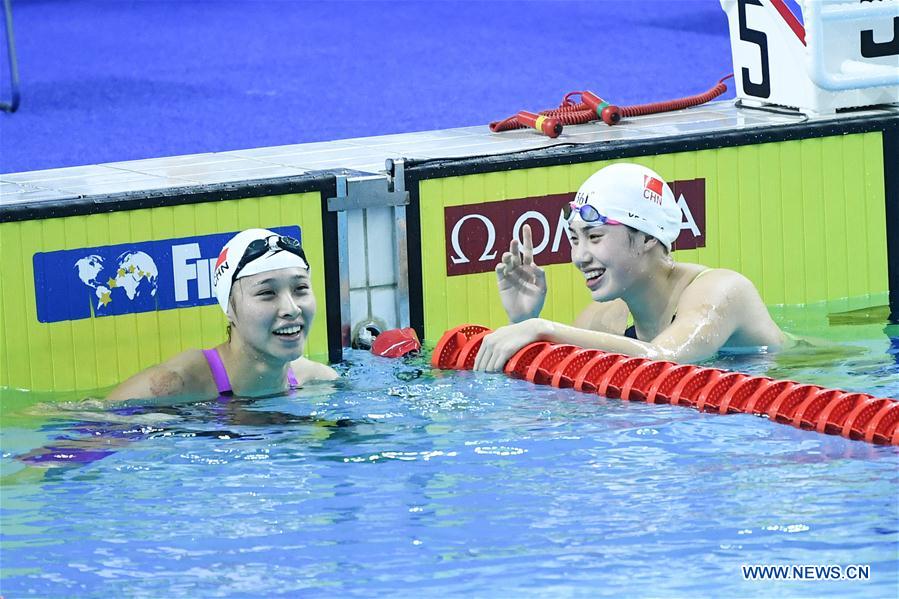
[[622, 224], [262, 283]]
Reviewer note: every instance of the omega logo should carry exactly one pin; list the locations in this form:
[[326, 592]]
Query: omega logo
[[477, 234], [459, 256]]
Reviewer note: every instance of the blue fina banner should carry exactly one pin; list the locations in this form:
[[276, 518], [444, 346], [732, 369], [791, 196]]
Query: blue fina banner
[[129, 278]]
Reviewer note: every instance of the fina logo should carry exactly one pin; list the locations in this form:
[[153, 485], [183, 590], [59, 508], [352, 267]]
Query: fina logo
[[134, 277], [129, 278], [187, 266]]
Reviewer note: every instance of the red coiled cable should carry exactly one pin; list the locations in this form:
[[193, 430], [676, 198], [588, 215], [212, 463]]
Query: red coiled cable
[[679, 104], [592, 107]]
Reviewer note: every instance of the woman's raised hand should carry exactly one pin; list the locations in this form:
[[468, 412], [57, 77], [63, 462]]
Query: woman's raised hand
[[522, 284]]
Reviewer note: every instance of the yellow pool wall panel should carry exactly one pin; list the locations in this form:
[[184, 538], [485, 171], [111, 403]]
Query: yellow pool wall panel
[[98, 352], [803, 219]]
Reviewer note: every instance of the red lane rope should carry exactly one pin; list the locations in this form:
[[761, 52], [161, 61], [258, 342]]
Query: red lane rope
[[591, 108], [857, 416]]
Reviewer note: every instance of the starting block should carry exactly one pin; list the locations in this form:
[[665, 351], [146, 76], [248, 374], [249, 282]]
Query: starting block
[[835, 54]]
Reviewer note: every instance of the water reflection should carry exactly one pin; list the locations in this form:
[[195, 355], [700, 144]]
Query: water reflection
[[87, 431]]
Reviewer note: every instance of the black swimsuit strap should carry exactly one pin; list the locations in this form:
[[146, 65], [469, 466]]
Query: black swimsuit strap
[[631, 331]]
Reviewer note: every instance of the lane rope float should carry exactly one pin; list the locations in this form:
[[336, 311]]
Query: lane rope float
[[857, 416]]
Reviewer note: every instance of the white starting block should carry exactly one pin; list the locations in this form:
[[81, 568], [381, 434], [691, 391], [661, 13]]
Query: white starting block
[[841, 54]]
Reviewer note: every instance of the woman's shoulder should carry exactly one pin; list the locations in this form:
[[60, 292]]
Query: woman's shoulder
[[191, 363], [702, 277], [608, 317], [736, 300], [720, 290], [307, 371], [186, 373]]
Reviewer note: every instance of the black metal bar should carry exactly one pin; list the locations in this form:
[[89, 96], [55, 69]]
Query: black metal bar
[[891, 192], [331, 269], [413, 252], [13, 61]]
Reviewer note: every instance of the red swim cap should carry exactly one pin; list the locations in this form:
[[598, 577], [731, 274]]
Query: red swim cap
[[396, 343]]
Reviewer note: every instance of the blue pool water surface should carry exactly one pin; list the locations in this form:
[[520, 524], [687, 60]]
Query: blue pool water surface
[[402, 481]]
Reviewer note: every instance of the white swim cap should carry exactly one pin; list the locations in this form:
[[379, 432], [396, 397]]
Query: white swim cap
[[252, 252], [635, 196]]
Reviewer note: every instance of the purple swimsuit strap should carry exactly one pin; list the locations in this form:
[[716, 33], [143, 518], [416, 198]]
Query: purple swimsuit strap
[[220, 375]]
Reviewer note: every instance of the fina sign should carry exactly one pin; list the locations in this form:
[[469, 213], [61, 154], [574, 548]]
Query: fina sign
[[477, 234], [129, 278]]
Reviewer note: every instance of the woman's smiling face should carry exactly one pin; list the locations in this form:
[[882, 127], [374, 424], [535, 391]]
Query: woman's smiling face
[[607, 256], [273, 311]]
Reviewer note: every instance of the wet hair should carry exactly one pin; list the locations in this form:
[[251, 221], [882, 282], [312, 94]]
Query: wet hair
[[233, 307], [632, 238]]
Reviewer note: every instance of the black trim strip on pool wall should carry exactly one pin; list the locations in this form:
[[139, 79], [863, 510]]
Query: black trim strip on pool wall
[[414, 261], [420, 170], [174, 196], [434, 168], [891, 193], [332, 272]]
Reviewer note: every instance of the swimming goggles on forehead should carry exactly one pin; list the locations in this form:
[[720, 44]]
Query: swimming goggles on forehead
[[273, 243], [588, 214]]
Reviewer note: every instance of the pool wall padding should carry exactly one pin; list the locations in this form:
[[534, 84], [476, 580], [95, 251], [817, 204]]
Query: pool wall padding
[[809, 211], [802, 212], [87, 353]]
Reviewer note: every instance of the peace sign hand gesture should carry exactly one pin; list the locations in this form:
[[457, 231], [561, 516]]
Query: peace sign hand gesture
[[522, 284]]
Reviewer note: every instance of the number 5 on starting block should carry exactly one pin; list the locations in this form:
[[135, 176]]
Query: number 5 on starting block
[[841, 54]]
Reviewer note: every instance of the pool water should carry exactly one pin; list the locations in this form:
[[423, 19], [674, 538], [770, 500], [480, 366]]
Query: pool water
[[400, 480]]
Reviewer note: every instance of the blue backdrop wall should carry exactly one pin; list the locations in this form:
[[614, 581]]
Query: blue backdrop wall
[[113, 80]]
